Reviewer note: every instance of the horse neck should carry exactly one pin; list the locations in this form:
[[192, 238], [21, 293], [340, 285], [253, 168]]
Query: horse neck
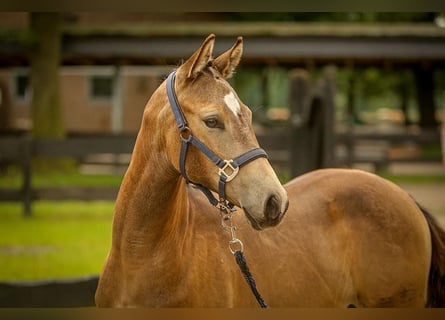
[[152, 208]]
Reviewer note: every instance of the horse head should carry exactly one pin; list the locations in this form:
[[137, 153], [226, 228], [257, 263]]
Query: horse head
[[223, 123]]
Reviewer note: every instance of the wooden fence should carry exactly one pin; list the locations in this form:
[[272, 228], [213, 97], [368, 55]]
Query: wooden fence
[[56, 293], [21, 150], [314, 141], [294, 154]]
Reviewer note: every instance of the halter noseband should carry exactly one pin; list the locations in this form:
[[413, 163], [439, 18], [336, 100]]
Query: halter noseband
[[228, 169]]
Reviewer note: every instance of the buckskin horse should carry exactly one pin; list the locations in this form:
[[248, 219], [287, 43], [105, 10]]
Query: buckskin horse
[[349, 238]]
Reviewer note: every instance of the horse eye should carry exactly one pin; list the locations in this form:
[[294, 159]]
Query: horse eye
[[213, 122]]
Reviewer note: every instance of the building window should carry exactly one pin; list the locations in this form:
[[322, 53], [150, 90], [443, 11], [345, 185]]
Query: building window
[[101, 87], [21, 85]]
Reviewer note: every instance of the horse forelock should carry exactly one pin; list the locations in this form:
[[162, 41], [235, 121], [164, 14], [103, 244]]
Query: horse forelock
[[202, 87], [213, 71]]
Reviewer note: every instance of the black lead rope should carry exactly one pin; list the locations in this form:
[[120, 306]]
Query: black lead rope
[[241, 261]]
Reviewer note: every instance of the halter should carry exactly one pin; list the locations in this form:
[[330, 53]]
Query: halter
[[228, 169]]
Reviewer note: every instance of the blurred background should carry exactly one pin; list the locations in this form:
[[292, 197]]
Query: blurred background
[[355, 90]]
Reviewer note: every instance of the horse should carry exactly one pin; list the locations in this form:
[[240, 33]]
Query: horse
[[329, 238]]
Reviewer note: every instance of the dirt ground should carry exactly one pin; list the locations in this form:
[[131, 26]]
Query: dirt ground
[[429, 195]]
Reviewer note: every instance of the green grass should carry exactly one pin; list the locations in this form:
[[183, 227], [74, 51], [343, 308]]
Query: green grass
[[60, 240], [72, 238], [412, 178], [284, 177], [13, 179]]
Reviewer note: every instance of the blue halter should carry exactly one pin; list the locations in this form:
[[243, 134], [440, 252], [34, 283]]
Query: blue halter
[[228, 169]]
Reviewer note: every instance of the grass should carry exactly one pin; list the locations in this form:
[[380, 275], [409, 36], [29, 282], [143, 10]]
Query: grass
[[412, 178], [60, 240], [284, 177], [72, 238], [13, 179]]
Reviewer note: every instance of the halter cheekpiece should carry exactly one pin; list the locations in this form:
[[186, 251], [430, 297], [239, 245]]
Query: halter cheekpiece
[[228, 169]]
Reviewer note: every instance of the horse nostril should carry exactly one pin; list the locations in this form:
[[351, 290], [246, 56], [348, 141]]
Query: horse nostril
[[273, 208]]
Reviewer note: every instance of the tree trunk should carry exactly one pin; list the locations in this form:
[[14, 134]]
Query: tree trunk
[[425, 97], [46, 107], [5, 107], [404, 88]]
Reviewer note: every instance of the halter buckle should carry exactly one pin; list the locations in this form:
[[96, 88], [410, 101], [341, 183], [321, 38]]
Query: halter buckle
[[228, 165]]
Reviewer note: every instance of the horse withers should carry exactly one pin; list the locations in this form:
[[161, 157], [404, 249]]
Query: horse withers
[[346, 237]]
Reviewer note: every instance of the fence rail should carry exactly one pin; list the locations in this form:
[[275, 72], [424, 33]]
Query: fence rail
[[20, 150], [57, 293], [353, 140]]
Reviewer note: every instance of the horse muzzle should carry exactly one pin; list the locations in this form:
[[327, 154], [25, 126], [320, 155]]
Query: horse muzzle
[[274, 210]]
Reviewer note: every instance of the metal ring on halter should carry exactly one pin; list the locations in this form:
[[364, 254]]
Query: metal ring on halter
[[188, 132], [226, 222], [232, 246]]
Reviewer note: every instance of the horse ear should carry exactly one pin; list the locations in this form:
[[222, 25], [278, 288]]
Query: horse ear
[[200, 59], [229, 60]]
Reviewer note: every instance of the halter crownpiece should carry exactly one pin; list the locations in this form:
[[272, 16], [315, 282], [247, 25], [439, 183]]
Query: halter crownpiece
[[228, 169]]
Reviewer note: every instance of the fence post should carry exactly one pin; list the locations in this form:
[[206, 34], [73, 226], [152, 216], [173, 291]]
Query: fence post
[[299, 105], [26, 151], [117, 103], [442, 136], [351, 111], [328, 121], [312, 121]]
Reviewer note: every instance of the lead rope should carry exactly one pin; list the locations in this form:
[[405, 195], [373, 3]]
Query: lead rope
[[236, 248]]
